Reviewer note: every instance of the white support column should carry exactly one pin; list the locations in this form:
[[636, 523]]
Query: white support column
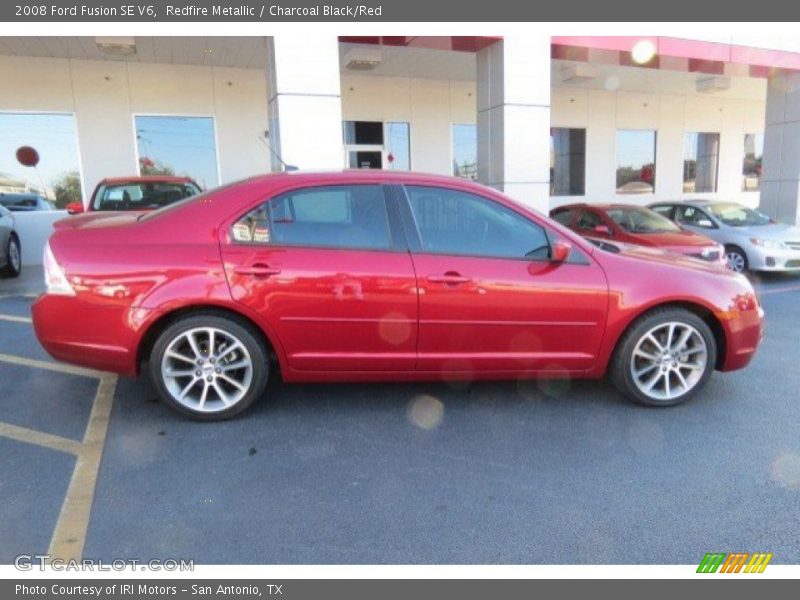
[[513, 101], [305, 104], [780, 180]]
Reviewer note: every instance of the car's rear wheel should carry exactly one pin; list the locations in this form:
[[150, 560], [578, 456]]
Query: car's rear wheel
[[736, 258], [209, 367], [13, 258], [664, 358]]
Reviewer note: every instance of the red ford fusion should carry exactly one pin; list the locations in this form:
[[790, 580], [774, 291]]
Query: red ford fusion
[[637, 225], [377, 276]]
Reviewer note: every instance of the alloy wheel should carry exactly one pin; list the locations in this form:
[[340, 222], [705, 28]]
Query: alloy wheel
[[207, 369], [669, 360], [14, 256], [736, 261]]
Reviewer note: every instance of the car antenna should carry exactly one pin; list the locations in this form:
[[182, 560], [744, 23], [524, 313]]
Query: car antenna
[[264, 141]]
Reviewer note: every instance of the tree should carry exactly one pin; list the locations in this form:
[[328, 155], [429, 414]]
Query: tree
[[148, 166], [67, 189]]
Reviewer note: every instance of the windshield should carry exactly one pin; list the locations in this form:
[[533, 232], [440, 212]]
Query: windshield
[[737, 215], [141, 195], [641, 220]]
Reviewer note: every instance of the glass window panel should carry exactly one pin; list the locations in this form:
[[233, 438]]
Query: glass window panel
[[57, 176], [459, 223], [329, 216], [183, 146], [753, 155], [567, 161], [465, 151], [636, 161], [365, 159], [398, 146], [700, 162], [363, 132]]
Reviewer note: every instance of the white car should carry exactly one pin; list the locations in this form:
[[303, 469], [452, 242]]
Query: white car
[[752, 240]]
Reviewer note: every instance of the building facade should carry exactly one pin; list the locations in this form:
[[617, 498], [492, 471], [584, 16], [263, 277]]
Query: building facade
[[547, 120]]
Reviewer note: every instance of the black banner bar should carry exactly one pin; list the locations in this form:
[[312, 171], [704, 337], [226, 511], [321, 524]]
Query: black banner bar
[[395, 11]]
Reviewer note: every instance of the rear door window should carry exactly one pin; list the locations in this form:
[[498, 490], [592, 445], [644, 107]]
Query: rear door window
[[352, 217]]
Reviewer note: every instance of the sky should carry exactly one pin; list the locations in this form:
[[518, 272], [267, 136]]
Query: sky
[[52, 135], [186, 144]]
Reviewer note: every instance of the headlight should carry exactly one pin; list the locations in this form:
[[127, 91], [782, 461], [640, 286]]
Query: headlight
[[54, 277], [774, 244]]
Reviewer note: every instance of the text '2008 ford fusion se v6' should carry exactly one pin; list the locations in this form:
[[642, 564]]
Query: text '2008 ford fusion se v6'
[[376, 276]]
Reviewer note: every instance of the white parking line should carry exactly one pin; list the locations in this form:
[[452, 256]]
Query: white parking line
[[16, 319], [50, 366]]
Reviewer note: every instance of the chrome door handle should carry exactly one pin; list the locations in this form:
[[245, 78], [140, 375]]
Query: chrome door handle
[[448, 278], [257, 270]]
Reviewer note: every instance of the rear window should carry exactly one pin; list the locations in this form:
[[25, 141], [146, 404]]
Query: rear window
[[141, 195]]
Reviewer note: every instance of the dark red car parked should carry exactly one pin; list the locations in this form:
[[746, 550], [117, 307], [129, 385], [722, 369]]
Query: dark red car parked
[[139, 192], [374, 276], [637, 225]]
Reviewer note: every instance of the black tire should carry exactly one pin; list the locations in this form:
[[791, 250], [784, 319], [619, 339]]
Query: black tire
[[622, 364], [731, 251], [237, 329], [11, 270]]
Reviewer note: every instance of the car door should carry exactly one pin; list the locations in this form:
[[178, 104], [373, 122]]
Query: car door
[[327, 269], [591, 224], [697, 220], [490, 299]]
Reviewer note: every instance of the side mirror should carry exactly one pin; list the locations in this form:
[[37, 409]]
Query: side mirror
[[602, 230], [74, 208], [560, 251]]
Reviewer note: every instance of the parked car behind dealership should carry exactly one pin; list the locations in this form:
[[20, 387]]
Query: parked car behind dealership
[[379, 276], [10, 249], [636, 225], [751, 239], [147, 192], [25, 202]]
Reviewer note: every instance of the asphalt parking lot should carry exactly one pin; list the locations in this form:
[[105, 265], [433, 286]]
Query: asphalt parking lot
[[510, 472]]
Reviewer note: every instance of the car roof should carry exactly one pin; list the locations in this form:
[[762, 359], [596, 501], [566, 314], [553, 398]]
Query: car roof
[[146, 179], [17, 196], [688, 202], [607, 206], [355, 175]]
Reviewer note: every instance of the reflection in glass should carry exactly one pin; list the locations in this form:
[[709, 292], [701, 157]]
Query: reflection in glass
[[700, 162], [751, 166], [465, 151], [183, 146], [57, 176], [636, 161], [567, 161], [398, 146]]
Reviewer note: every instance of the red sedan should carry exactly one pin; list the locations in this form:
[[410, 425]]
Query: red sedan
[[637, 225], [375, 276], [139, 192]]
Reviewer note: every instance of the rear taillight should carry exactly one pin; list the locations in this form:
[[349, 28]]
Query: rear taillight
[[54, 277]]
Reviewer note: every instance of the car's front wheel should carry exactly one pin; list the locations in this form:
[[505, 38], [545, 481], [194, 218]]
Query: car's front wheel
[[736, 258], [13, 258], [209, 367], [664, 358]]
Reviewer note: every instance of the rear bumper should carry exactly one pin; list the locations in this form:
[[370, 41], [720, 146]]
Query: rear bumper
[[91, 335], [743, 334]]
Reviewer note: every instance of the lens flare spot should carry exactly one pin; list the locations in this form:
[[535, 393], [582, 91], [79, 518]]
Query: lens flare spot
[[785, 470], [394, 328], [645, 436], [611, 83], [426, 412]]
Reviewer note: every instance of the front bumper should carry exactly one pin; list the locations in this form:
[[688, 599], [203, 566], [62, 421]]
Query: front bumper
[[772, 259], [744, 331]]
